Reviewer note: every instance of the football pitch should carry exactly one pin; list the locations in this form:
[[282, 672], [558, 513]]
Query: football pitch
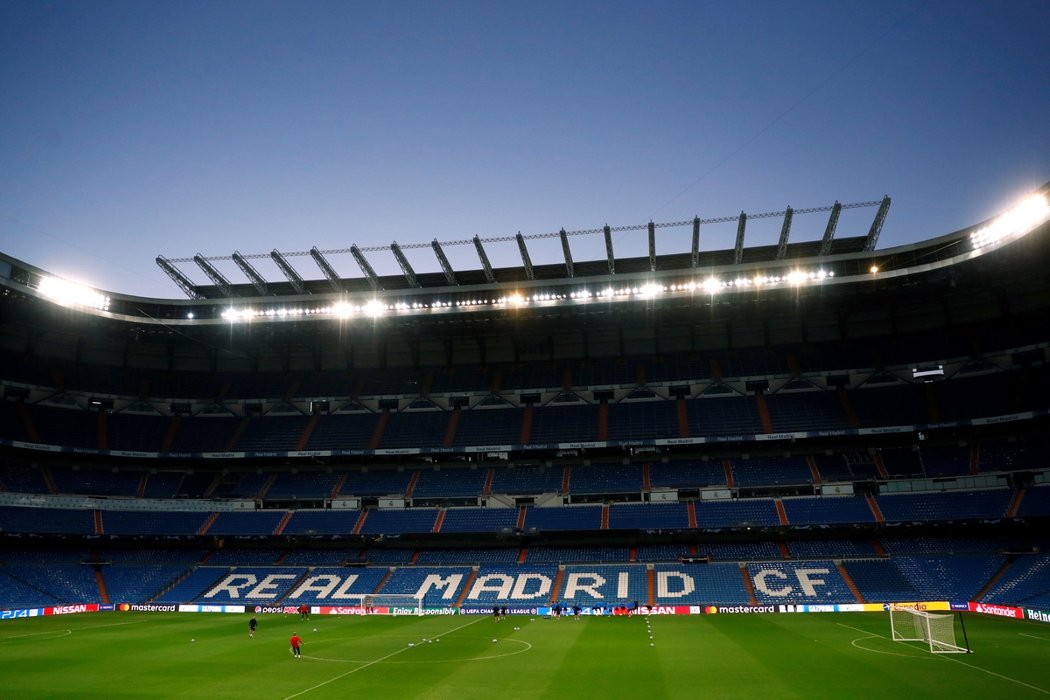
[[172, 655]]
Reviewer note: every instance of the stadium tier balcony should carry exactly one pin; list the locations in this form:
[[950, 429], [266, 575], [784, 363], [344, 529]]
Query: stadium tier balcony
[[806, 410], [648, 516], [503, 556], [152, 522], [828, 549], [302, 485], [643, 419], [944, 506], [764, 471], [20, 477], [244, 557], [376, 482], [489, 426], [450, 483], [583, 517], [605, 478], [321, 557], [398, 522], [661, 552], [479, 519], [52, 521], [1036, 502], [827, 510], [322, 522], [683, 474], [246, 523], [568, 555], [554, 424], [728, 415], [739, 551], [343, 431], [527, 479], [738, 513]]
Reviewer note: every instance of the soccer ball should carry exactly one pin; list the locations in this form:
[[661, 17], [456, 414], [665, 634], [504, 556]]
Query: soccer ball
[[411, 644], [193, 640], [315, 629], [493, 641]]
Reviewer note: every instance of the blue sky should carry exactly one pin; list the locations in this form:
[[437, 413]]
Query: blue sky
[[132, 129]]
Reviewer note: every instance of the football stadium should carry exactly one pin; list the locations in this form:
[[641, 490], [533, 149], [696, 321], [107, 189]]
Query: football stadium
[[811, 469]]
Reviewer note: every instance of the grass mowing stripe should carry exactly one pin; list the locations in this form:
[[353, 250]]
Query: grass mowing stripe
[[947, 657], [371, 663]]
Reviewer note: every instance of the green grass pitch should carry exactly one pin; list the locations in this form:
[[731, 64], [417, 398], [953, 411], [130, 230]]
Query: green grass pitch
[[143, 655]]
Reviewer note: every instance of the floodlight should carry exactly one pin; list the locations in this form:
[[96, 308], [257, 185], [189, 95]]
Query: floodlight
[[1015, 222], [374, 308], [66, 293], [712, 285]]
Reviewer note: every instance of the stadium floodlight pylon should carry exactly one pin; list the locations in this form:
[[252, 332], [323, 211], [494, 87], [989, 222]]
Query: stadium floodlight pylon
[[289, 272], [741, 226], [484, 258], [876, 225], [214, 275], [652, 247], [785, 233], [609, 249], [252, 274], [406, 268], [829, 231], [178, 278], [570, 272], [327, 269], [937, 632], [525, 259], [696, 242], [450, 274], [366, 268]]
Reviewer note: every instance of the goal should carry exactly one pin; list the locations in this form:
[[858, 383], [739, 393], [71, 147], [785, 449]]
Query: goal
[[395, 603], [935, 631]]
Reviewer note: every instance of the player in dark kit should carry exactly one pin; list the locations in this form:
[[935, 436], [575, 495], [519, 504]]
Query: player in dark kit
[[296, 642], [252, 624]]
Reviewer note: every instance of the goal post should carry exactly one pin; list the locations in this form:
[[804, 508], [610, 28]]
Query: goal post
[[936, 631], [400, 603]]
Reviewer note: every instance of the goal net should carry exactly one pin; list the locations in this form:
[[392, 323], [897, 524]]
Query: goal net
[[935, 631], [393, 603]]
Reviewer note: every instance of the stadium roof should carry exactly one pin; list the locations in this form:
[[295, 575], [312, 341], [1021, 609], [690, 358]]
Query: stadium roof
[[829, 262]]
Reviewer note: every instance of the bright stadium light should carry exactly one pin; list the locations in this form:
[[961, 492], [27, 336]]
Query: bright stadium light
[[712, 285], [66, 293], [343, 310], [374, 308], [1014, 223]]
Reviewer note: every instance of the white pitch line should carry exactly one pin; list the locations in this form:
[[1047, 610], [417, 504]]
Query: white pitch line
[[1032, 636], [963, 663], [372, 663]]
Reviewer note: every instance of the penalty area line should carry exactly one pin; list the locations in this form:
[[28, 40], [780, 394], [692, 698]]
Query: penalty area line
[[372, 663], [948, 657]]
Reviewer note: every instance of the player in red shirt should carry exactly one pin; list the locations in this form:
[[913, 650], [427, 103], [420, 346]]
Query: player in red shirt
[[296, 641]]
